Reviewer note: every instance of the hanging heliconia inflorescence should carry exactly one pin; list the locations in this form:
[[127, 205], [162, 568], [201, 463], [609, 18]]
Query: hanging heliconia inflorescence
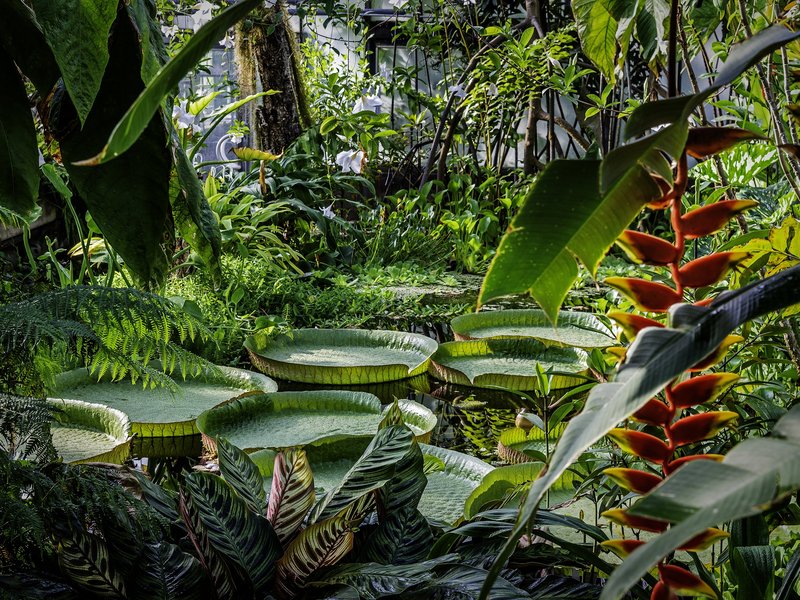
[[676, 430]]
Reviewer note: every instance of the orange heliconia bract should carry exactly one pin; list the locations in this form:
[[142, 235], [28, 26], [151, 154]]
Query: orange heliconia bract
[[710, 219], [622, 548], [705, 141], [700, 427], [632, 323], [682, 581], [643, 445], [646, 248], [655, 412], [709, 269], [701, 389], [621, 517], [648, 296], [633, 480]]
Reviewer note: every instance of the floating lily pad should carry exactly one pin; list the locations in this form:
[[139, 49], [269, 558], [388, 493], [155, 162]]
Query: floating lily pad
[[450, 481], [285, 419], [160, 411], [342, 356], [509, 363], [84, 432], [573, 329], [386, 391]]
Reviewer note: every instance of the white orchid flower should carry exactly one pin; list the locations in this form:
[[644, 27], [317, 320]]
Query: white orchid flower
[[182, 116], [170, 31], [227, 41], [327, 212], [236, 138], [458, 91], [491, 90], [351, 160], [367, 102], [202, 14]]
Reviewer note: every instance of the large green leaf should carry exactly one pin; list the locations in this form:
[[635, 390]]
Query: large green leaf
[[136, 119], [23, 39], [575, 329], [240, 535], [242, 474], [162, 412], [508, 363], [653, 360], [286, 419], [598, 23], [292, 493], [85, 560], [342, 356], [77, 31], [756, 473], [19, 156], [402, 537], [85, 432], [168, 573], [467, 582]]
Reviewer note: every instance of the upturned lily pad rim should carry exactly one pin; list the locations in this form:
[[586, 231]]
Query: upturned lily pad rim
[[418, 348], [98, 418], [442, 365], [213, 423], [228, 376], [473, 326]]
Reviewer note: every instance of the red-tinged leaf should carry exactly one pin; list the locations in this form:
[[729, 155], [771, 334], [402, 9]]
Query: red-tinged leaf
[[662, 592], [632, 323], [700, 389], [621, 548], [710, 219], [709, 269], [646, 248], [292, 493], [679, 462], [655, 412], [705, 141], [646, 295], [684, 582], [643, 445], [704, 540], [701, 427], [621, 517], [718, 354], [634, 480]]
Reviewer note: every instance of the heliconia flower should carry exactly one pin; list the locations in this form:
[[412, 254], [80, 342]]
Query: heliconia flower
[[646, 248], [620, 516], [709, 269], [622, 548], [632, 323], [655, 412], [701, 389], [662, 592], [679, 462], [666, 198], [643, 445], [368, 102], [704, 540], [718, 354], [683, 582], [646, 295], [633, 480], [701, 427], [351, 160], [705, 141], [710, 219]]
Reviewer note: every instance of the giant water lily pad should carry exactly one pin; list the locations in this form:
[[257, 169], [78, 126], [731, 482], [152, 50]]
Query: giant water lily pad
[[161, 411], [508, 363], [452, 476], [573, 329], [85, 432], [342, 356], [285, 419]]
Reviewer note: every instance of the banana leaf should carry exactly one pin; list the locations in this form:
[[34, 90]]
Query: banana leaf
[[342, 356]]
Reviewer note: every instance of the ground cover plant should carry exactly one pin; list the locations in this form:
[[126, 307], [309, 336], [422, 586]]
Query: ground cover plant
[[326, 191]]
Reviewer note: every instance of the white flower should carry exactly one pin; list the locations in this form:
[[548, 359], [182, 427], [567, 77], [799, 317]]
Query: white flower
[[468, 2], [351, 160], [170, 31], [492, 90], [181, 115], [386, 73], [236, 138], [458, 91], [202, 14], [367, 102], [397, 4], [327, 212], [227, 41]]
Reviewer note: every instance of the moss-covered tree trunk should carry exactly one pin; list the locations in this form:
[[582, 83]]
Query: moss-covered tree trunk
[[267, 49]]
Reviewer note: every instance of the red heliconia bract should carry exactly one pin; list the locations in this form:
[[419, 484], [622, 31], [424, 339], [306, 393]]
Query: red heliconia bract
[[632, 323], [646, 248], [622, 548], [704, 540], [643, 445], [634, 480], [700, 427], [679, 462], [710, 219], [705, 141], [709, 269], [648, 296], [655, 412], [682, 581], [662, 592], [718, 354], [701, 389], [622, 517]]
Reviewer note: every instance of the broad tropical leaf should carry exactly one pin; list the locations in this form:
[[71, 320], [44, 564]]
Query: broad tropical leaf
[[23, 40], [292, 494], [19, 157], [242, 475], [85, 560], [656, 357], [754, 474], [403, 537], [77, 31], [136, 119], [598, 23], [240, 535], [467, 582], [168, 573]]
